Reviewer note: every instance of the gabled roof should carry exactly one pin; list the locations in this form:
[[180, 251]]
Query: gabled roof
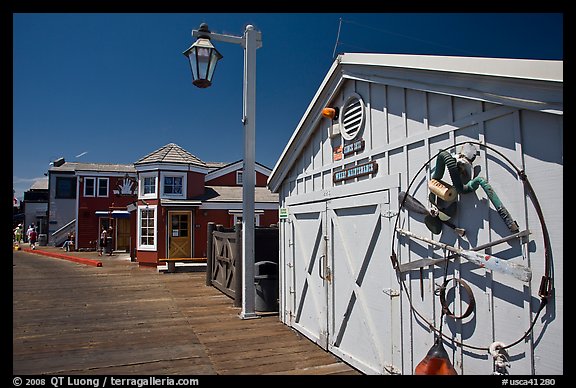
[[171, 153], [522, 83], [234, 166]]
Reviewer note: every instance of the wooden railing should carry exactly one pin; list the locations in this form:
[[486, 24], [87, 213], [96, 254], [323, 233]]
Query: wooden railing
[[61, 235]]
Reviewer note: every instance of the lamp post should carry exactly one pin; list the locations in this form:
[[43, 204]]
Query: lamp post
[[203, 57]]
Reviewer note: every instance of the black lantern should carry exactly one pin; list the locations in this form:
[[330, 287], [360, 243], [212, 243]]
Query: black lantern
[[203, 58]]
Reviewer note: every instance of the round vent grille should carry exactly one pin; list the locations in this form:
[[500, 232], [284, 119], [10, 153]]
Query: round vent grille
[[352, 117]]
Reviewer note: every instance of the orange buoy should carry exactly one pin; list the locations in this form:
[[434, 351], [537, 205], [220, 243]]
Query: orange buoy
[[436, 361]]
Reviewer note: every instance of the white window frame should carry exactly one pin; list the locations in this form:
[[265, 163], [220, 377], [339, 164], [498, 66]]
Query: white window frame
[[238, 217], [94, 187], [173, 175], [96, 181], [239, 177], [152, 247], [99, 179], [141, 185]]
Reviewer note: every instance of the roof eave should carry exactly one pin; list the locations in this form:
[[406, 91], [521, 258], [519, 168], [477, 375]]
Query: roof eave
[[532, 70], [279, 171]]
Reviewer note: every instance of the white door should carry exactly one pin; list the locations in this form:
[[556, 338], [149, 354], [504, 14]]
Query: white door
[[309, 291], [361, 306]]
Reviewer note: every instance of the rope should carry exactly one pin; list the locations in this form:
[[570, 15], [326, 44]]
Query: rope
[[546, 285]]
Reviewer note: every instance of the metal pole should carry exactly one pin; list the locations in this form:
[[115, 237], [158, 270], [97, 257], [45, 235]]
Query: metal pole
[[238, 266], [250, 41], [249, 173]]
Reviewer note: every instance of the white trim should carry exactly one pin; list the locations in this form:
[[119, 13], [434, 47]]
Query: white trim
[[239, 177], [531, 72], [173, 174], [96, 180], [238, 216], [516, 93], [180, 202], [141, 178], [328, 89], [240, 211], [237, 166], [238, 206], [155, 167], [106, 213], [138, 230], [93, 187], [536, 69], [107, 187]]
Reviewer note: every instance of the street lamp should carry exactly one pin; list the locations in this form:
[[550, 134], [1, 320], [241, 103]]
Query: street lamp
[[203, 58]]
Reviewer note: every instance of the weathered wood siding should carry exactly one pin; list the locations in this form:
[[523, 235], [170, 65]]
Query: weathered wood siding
[[405, 128]]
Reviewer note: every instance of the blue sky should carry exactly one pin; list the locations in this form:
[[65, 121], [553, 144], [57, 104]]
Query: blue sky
[[113, 87]]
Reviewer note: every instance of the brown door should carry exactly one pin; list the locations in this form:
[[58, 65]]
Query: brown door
[[123, 234], [179, 236]]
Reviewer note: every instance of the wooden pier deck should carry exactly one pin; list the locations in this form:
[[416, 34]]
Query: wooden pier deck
[[120, 319]]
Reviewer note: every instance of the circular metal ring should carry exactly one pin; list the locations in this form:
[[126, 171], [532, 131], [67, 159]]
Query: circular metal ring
[[471, 300]]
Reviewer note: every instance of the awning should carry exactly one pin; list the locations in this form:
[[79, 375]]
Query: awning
[[115, 213]]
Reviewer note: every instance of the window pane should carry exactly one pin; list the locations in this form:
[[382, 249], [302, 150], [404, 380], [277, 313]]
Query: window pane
[[149, 185], [102, 187], [89, 186], [184, 226], [173, 185], [147, 227]]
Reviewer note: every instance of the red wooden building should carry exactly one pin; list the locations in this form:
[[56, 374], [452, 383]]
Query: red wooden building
[[84, 197], [159, 207], [178, 194]]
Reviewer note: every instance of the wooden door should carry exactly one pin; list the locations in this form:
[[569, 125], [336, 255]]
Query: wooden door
[[308, 259], [123, 234], [179, 234], [361, 313]]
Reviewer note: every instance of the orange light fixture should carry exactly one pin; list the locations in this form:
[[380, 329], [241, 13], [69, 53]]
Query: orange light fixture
[[330, 113]]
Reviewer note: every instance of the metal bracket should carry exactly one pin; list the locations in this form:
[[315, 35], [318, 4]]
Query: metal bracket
[[391, 292], [393, 370], [389, 214]]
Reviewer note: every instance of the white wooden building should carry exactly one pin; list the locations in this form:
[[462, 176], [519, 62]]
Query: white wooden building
[[339, 181]]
